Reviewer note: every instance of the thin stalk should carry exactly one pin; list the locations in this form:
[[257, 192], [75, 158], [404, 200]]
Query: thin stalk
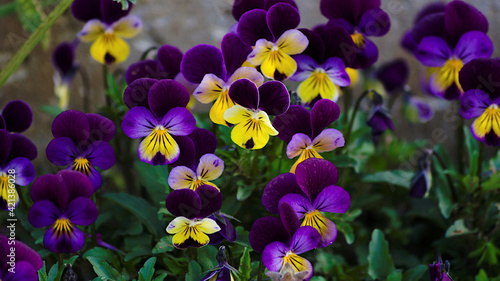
[[61, 260], [448, 177], [347, 103], [92, 226], [480, 165], [86, 90], [261, 270], [105, 81], [31, 42], [460, 148], [351, 121], [255, 164], [282, 155], [145, 54]]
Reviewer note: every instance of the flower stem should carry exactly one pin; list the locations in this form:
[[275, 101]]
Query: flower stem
[[34, 38], [86, 90], [460, 148], [282, 155], [61, 260], [347, 103], [351, 120], [105, 83], [480, 165], [92, 226], [261, 270]]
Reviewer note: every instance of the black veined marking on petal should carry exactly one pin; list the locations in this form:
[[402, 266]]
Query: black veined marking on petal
[[249, 144]]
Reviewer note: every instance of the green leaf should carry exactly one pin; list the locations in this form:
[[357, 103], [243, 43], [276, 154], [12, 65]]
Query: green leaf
[[161, 277], [51, 110], [7, 9], [472, 149], [42, 273], [398, 177], [164, 245], [243, 237], [103, 270], [493, 182], [443, 191], [347, 230], [148, 270], [28, 14], [380, 263], [245, 264], [244, 191], [457, 228], [140, 208], [415, 273], [104, 254], [482, 276], [154, 179], [194, 272], [396, 275]]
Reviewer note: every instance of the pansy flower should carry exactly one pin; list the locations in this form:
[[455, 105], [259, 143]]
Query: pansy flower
[[422, 180], [481, 101], [192, 226], [106, 24], [252, 110], [62, 202], [275, 39], [306, 131], [321, 68], [379, 118], [81, 143], [26, 260], [362, 19], [438, 271], [223, 272], [160, 118], [63, 60], [311, 191], [216, 70]]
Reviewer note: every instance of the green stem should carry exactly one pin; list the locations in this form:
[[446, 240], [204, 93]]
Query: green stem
[[351, 121], [34, 38], [61, 260], [448, 177], [480, 165], [92, 226], [105, 81], [460, 148], [347, 103], [282, 155], [145, 54], [261, 270], [86, 90], [8, 8]]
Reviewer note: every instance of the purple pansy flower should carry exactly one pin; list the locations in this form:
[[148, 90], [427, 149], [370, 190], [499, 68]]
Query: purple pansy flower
[[192, 209], [393, 76], [306, 131], [223, 272], [321, 68], [422, 180], [417, 110], [62, 202], [481, 100], [379, 120], [311, 191], [275, 39], [252, 110], [106, 24], [81, 143], [361, 18], [63, 60], [20, 264], [216, 70], [438, 271], [162, 118]]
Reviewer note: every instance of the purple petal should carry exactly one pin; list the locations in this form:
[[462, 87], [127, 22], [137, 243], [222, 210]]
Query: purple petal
[[277, 188], [101, 128], [305, 239], [187, 152], [431, 25], [211, 200], [101, 154], [323, 113], [85, 10], [165, 95], [456, 26], [63, 59], [183, 202], [282, 17], [138, 122], [336, 70], [23, 271], [305, 67], [2, 123], [112, 11], [200, 60], [408, 43], [244, 92], [72, 124], [474, 103], [5, 146], [299, 203], [179, 121], [296, 120], [374, 22], [52, 188], [241, 7], [349, 10], [77, 184], [332, 199], [18, 116], [473, 45], [22, 147], [253, 26], [145, 69], [394, 75], [481, 74], [95, 178], [136, 94], [289, 218], [43, 213], [315, 49], [273, 98], [24, 170], [338, 42], [379, 120], [65, 243], [429, 9], [170, 58], [204, 142], [433, 52], [273, 254], [227, 230], [269, 3], [81, 211], [62, 151], [267, 230], [365, 57], [234, 51], [313, 175]]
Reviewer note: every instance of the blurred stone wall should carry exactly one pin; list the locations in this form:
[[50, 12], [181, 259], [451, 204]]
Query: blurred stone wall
[[185, 23]]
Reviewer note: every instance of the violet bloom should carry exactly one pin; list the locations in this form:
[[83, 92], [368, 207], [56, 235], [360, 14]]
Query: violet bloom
[[216, 70], [192, 208], [20, 264], [275, 39], [393, 76], [311, 191], [223, 272], [106, 24], [422, 180], [438, 271], [241, 7], [362, 19], [81, 144], [63, 60], [379, 118], [321, 68], [62, 202], [306, 131], [161, 118], [417, 110], [481, 100]]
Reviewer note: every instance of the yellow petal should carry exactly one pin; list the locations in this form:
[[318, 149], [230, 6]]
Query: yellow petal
[[260, 52], [447, 75], [237, 114], [8, 192], [209, 89], [208, 226], [178, 225], [278, 65], [292, 42], [219, 108], [306, 154], [249, 73], [489, 120], [109, 48], [159, 141], [317, 84], [127, 27], [92, 30], [353, 75], [253, 128], [297, 262]]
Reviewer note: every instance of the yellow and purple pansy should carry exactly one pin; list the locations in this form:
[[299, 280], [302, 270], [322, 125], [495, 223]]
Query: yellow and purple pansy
[[216, 70], [306, 131], [162, 118], [252, 110], [273, 35], [481, 100], [106, 24]]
